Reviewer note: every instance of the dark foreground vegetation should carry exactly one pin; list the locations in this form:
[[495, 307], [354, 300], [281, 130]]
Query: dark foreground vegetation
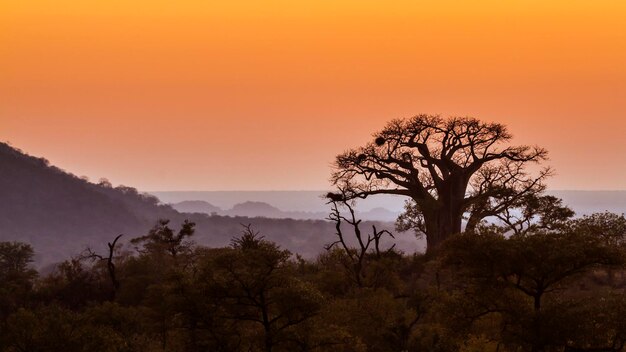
[[557, 287]]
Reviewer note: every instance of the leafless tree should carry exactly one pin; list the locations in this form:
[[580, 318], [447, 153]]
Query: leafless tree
[[366, 243], [90, 254]]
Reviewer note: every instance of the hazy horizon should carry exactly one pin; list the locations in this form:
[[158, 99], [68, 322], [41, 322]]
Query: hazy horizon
[[582, 202]]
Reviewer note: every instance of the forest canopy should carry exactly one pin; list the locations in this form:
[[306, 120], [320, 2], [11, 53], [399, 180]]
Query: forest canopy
[[558, 289]]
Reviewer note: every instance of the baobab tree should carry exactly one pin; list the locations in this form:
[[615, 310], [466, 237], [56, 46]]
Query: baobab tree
[[448, 168]]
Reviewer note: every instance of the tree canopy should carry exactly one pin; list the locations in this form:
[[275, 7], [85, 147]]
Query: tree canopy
[[447, 167]]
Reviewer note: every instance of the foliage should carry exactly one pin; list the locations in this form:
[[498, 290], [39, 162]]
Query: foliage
[[162, 240], [557, 285]]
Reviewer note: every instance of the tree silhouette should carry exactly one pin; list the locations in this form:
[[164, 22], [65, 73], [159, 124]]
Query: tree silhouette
[[254, 283], [90, 254], [369, 245], [447, 167], [517, 276], [162, 239]]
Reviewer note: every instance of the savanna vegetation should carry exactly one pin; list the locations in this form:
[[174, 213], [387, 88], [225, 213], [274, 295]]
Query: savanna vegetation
[[508, 268]]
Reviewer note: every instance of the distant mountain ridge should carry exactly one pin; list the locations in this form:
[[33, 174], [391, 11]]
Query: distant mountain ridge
[[382, 207], [261, 209], [196, 206]]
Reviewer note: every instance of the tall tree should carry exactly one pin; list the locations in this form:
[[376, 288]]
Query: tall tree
[[530, 281], [447, 168], [255, 284], [90, 254]]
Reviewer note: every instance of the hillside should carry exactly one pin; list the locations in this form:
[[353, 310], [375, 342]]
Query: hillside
[[60, 214], [196, 206]]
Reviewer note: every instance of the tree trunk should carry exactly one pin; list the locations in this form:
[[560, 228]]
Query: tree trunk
[[444, 219], [538, 345], [269, 343], [439, 226]]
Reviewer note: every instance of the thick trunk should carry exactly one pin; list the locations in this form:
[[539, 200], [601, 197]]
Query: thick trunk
[[444, 216], [442, 223]]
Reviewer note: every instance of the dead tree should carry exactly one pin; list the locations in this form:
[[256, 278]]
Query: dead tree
[[366, 244], [90, 254]]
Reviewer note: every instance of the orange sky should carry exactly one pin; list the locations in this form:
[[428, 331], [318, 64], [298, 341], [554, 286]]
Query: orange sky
[[246, 94]]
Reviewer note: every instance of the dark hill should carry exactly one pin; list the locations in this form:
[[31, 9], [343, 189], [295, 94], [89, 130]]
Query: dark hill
[[60, 214], [196, 206], [252, 209], [51, 208]]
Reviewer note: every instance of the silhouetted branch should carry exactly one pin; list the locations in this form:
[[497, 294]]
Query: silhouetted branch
[[90, 254]]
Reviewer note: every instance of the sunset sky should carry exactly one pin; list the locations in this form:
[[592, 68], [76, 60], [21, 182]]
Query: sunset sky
[[261, 95]]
